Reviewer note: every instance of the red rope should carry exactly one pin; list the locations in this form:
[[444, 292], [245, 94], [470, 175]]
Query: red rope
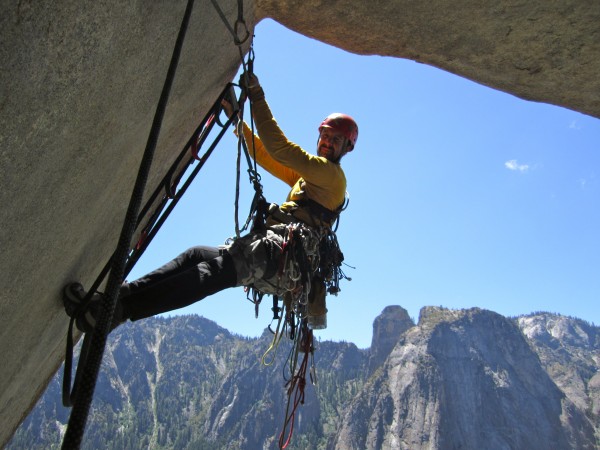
[[296, 386]]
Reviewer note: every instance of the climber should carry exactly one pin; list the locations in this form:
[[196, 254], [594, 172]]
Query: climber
[[318, 187]]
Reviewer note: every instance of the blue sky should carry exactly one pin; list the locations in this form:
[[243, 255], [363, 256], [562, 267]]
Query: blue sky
[[460, 195]]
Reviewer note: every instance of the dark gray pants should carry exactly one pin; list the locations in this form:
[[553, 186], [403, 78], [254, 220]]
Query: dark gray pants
[[196, 273]]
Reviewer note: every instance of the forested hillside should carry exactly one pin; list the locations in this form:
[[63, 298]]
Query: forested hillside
[[457, 379]]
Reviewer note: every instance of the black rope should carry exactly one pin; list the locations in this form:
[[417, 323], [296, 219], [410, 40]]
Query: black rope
[[258, 200], [83, 400], [253, 175]]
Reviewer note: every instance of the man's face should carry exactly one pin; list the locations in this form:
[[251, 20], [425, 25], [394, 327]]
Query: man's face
[[330, 144]]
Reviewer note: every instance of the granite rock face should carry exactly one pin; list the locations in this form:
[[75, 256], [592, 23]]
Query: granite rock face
[[463, 379], [569, 350], [387, 329], [79, 86], [542, 51]]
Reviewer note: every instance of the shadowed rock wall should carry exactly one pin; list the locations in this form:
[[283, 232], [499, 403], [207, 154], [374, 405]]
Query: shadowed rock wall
[[80, 82], [80, 86]]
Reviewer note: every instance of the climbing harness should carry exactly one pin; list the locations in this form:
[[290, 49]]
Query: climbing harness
[[309, 256], [306, 253]]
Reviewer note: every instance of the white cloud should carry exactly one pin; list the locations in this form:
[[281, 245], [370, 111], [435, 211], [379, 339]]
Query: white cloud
[[513, 165], [574, 125]]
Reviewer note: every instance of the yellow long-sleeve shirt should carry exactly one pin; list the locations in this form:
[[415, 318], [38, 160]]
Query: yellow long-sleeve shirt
[[310, 177]]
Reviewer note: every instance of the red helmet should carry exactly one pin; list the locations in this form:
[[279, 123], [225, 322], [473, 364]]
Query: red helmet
[[342, 123]]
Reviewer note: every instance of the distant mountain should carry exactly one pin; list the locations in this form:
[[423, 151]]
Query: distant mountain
[[472, 380], [468, 379]]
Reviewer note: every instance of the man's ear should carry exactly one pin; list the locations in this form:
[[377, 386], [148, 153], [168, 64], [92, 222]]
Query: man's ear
[[348, 147]]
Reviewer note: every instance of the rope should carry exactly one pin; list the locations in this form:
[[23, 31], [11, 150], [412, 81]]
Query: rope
[[237, 187], [94, 343], [297, 383], [258, 207], [80, 412], [247, 70], [252, 166]]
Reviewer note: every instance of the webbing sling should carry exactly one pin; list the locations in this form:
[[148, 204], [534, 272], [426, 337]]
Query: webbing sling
[[150, 219]]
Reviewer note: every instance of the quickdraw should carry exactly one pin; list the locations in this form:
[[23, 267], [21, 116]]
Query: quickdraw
[[330, 269]]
